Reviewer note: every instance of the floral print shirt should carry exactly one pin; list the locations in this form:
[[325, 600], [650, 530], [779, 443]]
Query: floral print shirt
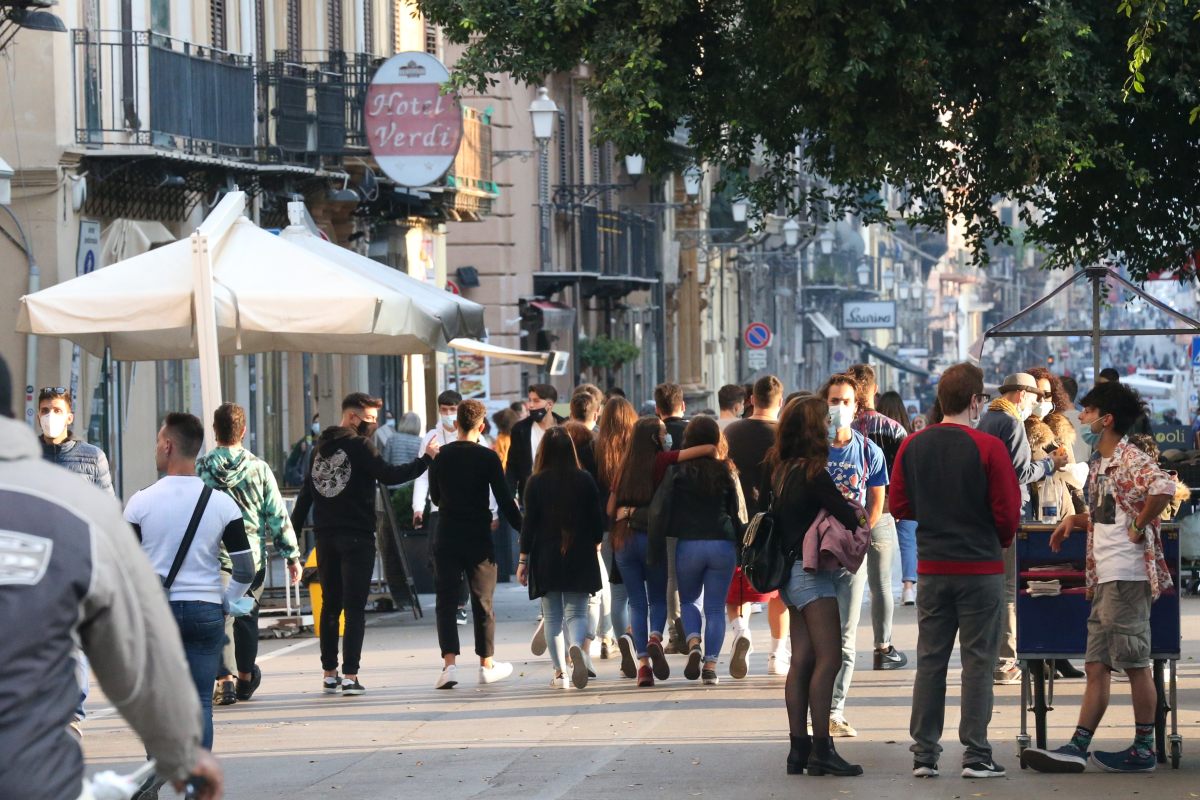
[[1134, 477]]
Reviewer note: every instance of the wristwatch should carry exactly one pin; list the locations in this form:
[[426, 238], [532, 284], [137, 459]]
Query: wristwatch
[[1133, 528]]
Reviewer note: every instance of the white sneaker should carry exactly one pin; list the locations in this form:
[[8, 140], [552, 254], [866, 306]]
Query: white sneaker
[[537, 645], [448, 679], [594, 650], [742, 648], [579, 667], [497, 672], [756, 608], [908, 595], [559, 681], [779, 663]]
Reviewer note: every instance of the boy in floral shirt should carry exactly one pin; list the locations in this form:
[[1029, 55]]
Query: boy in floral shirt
[[1126, 572]]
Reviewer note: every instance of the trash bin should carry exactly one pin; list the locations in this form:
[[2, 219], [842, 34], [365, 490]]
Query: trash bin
[[314, 597]]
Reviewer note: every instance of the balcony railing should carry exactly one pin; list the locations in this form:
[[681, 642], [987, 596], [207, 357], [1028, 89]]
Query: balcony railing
[[616, 243], [315, 103], [142, 88]]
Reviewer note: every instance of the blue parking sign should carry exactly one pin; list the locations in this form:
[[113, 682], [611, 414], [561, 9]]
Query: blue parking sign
[[1196, 352]]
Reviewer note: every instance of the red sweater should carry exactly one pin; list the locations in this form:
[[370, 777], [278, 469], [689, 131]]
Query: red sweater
[[961, 488]]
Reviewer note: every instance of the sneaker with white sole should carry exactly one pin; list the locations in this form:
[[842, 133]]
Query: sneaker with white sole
[[739, 662], [351, 687], [908, 595], [448, 679], [629, 665], [694, 664], [460, 616], [537, 645], [840, 729], [778, 663], [579, 667], [1009, 676], [983, 769], [1127, 760], [559, 681], [331, 684], [1065, 759], [497, 672], [922, 770]]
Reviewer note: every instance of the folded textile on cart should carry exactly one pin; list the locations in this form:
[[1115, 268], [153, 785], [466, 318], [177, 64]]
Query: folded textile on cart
[[1051, 568], [1044, 588]]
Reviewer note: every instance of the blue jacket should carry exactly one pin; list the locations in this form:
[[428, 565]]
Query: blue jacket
[[82, 459]]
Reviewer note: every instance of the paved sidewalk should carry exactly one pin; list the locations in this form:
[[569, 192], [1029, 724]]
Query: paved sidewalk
[[522, 739]]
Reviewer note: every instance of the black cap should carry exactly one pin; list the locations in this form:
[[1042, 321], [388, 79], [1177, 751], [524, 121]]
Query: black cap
[[6, 390]]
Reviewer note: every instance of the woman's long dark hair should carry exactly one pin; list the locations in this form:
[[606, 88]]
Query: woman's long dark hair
[[711, 475], [613, 433], [890, 405], [635, 484], [557, 462], [801, 436]]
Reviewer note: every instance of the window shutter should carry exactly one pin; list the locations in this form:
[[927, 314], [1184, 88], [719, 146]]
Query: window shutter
[[216, 18]]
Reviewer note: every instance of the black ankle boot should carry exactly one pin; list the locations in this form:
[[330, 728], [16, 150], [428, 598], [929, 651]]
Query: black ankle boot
[[1065, 669], [826, 761], [798, 755]]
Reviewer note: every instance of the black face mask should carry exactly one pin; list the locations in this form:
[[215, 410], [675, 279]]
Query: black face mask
[[537, 414], [363, 428]]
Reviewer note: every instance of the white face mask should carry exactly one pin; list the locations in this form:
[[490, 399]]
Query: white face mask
[[1042, 409], [841, 416], [448, 421], [53, 425], [316, 427]]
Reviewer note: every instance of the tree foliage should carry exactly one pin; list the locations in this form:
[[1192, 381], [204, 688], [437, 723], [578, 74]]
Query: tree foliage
[[602, 352], [956, 104]]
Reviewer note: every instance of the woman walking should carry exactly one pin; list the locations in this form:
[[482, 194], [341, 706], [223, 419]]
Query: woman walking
[[560, 537], [797, 478], [707, 512], [614, 432], [890, 405], [645, 575]]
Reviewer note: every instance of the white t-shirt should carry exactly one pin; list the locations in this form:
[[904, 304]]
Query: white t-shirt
[[163, 511], [535, 440], [1117, 558]]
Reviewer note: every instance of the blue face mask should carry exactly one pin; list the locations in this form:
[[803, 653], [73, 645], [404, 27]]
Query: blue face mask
[[1090, 437], [831, 432], [841, 416]]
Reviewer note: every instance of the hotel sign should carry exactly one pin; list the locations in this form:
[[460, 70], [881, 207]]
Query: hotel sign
[[868, 315]]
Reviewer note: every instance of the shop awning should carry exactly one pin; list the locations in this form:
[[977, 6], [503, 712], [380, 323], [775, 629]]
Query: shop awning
[[871, 351], [823, 325], [553, 360], [554, 315]]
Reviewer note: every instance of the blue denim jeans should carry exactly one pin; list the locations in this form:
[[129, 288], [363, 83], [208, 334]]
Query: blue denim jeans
[[906, 534], [82, 667], [202, 628], [619, 610], [564, 611], [704, 565], [647, 588]]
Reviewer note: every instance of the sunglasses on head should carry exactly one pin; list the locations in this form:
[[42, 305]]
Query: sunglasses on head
[[53, 390]]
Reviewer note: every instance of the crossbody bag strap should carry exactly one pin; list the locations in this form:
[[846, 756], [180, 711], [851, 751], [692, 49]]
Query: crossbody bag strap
[[188, 536]]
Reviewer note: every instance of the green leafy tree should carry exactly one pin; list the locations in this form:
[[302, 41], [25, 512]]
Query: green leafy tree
[[954, 103]]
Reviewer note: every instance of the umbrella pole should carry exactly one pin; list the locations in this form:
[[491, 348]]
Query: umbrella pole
[[206, 334], [1096, 275]]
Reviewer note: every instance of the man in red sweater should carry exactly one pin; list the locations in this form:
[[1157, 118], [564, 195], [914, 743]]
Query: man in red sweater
[[961, 488]]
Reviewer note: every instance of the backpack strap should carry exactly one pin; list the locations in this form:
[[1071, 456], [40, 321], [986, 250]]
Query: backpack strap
[[188, 536]]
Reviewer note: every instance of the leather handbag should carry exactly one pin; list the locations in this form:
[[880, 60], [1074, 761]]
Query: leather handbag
[[763, 560]]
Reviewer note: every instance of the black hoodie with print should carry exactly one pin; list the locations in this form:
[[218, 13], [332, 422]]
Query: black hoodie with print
[[341, 480]]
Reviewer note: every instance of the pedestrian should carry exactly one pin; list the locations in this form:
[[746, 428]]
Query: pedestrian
[[594, 392], [731, 400], [90, 588], [62, 447], [644, 573], [613, 437], [859, 470], [340, 490], [560, 542], [749, 441], [1004, 419], [520, 408], [670, 407], [704, 507], [462, 482], [888, 434], [527, 435], [182, 525], [960, 487], [504, 419], [796, 475], [892, 406], [296, 466], [506, 538], [385, 431], [404, 445], [1125, 574], [248, 480], [584, 409], [599, 612], [748, 396], [1080, 452]]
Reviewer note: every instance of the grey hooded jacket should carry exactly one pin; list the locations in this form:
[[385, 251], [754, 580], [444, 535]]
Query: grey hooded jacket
[[69, 561]]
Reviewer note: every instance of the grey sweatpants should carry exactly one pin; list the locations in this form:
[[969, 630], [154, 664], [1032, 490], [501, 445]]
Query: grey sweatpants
[[971, 607]]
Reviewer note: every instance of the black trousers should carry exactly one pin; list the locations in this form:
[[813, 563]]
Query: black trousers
[[431, 525], [479, 566], [344, 565], [242, 633]]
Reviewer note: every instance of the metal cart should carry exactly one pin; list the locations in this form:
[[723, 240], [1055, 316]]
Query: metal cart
[[1052, 627]]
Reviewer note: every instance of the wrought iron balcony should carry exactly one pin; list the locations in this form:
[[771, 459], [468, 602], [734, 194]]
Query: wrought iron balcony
[[616, 243], [141, 88], [314, 103]]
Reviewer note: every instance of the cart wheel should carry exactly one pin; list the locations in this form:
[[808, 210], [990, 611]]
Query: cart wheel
[[1176, 750], [1023, 742]]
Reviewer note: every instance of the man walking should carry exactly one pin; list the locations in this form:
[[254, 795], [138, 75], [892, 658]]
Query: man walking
[[1126, 573], [340, 489], [1005, 419], [959, 485], [888, 435], [858, 469], [527, 435], [670, 408], [731, 404], [234, 470]]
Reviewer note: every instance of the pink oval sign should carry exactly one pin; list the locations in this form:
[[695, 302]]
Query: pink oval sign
[[413, 130]]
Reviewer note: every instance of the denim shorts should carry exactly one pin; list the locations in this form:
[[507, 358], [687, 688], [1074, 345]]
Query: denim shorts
[[804, 587]]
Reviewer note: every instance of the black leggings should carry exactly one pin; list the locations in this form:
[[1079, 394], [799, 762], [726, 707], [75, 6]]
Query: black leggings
[[816, 658], [344, 564], [480, 569], [244, 633]]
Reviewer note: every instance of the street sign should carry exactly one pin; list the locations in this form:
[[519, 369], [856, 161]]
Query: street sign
[[868, 315], [413, 129], [756, 359], [1196, 352], [757, 335]]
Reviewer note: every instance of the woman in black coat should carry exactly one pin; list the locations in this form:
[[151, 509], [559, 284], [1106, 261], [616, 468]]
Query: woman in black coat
[[562, 530]]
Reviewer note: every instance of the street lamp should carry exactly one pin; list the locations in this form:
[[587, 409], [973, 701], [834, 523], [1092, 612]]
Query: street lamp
[[791, 233], [740, 207], [542, 112], [888, 279], [864, 273], [635, 164], [826, 241], [691, 181]]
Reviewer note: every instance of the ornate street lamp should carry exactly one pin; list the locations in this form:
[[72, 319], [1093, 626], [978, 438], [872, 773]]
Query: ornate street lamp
[[791, 233], [692, 176], [542, 112], [635, 164], [740, 207], [826, 241]]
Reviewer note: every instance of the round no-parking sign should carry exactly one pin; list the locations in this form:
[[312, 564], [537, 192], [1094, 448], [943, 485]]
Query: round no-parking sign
[[757, 335]]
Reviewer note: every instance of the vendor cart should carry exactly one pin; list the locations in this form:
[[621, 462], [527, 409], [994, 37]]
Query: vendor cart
[[1052, 624]]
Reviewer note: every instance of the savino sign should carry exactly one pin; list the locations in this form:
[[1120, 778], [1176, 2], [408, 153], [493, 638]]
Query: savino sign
[[413, 129], [862, 316]]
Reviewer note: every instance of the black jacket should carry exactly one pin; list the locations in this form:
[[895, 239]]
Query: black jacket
[[520, 455], [341, 480], [684, 510], [676, 426], [461, 483], [550, 569]]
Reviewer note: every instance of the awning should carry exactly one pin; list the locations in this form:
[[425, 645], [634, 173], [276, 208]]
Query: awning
[[553, 360], [555, 316], [823, 325], [870, 350]]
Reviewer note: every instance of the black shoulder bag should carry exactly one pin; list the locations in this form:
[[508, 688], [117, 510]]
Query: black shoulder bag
[[188, 536], [763, 561]]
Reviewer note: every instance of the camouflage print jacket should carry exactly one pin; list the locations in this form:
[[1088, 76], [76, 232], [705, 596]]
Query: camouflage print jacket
[[250, 482]]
